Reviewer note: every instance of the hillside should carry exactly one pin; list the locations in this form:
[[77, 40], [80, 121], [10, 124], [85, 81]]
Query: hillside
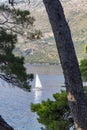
[[45, 50]]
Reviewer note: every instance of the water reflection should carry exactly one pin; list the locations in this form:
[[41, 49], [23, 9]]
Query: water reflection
[[37, 96]]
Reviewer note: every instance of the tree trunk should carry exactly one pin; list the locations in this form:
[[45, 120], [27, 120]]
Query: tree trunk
[[4, 125], [73, 81]]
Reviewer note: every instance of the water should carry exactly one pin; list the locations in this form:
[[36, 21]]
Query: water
[[44, 69], [15, 103]]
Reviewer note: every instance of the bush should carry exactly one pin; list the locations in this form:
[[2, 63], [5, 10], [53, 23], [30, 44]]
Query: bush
[[55, 115], [83, 68]]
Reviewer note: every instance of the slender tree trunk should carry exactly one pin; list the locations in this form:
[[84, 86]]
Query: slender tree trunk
[[73, 81]]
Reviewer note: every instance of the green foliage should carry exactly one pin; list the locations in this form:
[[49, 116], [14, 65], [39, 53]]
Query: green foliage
[[19, 16], [83, 68], [85, 91], [83, 65], [14, 21], [55, 115], [23, 17], [85, 48], [10, 64], [7, 41]]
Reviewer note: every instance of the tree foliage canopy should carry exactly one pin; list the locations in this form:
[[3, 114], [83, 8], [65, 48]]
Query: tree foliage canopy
[[13, 22], [55, 115], [11, 67]]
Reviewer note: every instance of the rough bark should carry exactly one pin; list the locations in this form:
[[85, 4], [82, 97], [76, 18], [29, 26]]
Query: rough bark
[[4, 125], [68, 59]]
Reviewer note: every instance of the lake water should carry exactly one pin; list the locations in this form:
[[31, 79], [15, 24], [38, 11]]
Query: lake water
[[15, 102]]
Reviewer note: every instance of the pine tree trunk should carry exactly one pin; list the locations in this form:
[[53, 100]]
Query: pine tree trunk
[[73, 81]]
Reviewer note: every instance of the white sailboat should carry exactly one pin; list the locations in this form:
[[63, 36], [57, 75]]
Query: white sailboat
[[38, 85]]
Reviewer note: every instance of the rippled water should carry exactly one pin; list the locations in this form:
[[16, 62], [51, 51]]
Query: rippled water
[[15, 103]]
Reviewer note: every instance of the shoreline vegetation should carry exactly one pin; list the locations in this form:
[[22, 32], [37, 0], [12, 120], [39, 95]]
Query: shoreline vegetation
[[43, 63], [44, 69]]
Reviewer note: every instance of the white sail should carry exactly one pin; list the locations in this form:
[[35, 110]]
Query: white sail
[[38, 84]]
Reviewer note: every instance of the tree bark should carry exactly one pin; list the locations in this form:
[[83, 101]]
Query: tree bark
[[68, 59], [4, 125]]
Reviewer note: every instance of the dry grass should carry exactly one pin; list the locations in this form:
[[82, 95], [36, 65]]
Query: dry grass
[[76, 14]]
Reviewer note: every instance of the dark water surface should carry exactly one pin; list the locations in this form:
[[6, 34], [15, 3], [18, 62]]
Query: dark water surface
[[15, 103]]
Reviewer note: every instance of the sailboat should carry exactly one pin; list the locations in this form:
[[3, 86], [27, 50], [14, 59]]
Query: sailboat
[[38, 85]]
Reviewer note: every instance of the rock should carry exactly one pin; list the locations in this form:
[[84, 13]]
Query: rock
[[4, 125]]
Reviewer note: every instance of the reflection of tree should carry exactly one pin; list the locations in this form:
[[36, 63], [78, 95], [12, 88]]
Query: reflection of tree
[[55, 115]]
